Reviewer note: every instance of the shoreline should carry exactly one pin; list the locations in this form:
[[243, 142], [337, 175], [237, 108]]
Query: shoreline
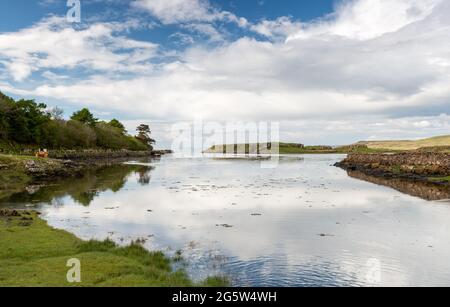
[[415, 166], [35, 254], [89, 154], [19, 171], [19, 232]]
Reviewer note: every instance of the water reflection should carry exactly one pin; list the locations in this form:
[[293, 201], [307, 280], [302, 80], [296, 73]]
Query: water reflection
[[425, 190], [304, 223], [83, 189]]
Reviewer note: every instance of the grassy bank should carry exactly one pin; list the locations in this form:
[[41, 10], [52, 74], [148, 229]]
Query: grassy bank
[[34, 254], [406, 145], [17, 171], [440, 179], [13, 176]]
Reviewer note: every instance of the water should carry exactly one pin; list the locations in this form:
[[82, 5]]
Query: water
[[304, 223]]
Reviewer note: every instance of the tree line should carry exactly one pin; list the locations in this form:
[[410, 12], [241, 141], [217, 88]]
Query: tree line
[[25, 122]]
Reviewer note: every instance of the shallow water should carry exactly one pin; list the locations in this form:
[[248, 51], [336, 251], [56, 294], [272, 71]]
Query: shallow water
[[303, 223]]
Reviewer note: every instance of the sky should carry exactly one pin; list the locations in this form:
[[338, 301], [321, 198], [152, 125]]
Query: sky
[[330, 72]]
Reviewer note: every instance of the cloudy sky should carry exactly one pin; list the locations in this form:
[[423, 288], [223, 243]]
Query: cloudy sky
[[331, 72]]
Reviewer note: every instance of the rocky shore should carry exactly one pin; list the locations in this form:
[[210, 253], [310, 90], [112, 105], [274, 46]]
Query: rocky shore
[[419, 166], [91, 154]]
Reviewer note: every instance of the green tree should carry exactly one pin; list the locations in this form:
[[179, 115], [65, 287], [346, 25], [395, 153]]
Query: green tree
[[117, 124], [6, 104], [143, 136], [25, 121], [85, 116], [28, 124]]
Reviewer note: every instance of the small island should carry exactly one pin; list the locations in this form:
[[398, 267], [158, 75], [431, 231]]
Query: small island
[[419, 160]]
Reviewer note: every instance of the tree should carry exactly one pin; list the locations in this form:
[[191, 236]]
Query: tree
[[56, 113], [117, 124], [144, 133], [6, 104], [26, 121], [31, 124], [85, 116]]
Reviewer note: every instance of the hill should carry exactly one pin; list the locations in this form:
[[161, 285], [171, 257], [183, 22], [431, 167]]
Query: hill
[[284, 148], [434, 142]]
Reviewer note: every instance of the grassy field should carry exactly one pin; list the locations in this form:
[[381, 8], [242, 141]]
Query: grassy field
[[34, 254], [439, 141]]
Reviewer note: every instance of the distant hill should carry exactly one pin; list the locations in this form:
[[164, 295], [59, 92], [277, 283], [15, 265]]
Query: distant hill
[[434, 144], [438, 141], [284, 148]]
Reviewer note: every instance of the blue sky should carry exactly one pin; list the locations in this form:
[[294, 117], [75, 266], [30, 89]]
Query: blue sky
[[329, 71], [20, 13]]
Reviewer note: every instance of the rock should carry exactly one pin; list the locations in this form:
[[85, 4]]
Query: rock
[[224, 225], [9, 213], [32, 167], [325, 235]]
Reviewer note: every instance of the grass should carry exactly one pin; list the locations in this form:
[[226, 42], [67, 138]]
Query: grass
[[440, 179], [439, 141], [15, 159], [34, 254], [12, 175]]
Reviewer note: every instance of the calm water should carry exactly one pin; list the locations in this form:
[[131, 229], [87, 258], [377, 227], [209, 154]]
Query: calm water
[[304, 223]]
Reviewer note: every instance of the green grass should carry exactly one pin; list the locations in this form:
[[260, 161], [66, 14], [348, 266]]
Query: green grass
[[34, 254], [438, 141], [12, 175], [15, 159], [440, 179]]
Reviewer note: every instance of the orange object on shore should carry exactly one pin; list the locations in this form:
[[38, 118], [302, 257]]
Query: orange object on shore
[[42, 153]]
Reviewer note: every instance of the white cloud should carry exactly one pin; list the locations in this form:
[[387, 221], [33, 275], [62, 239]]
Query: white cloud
[[391, 64], [184, 11], [281, 27], [175, 11], [367, 19], [53, 43], [205, 29]]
